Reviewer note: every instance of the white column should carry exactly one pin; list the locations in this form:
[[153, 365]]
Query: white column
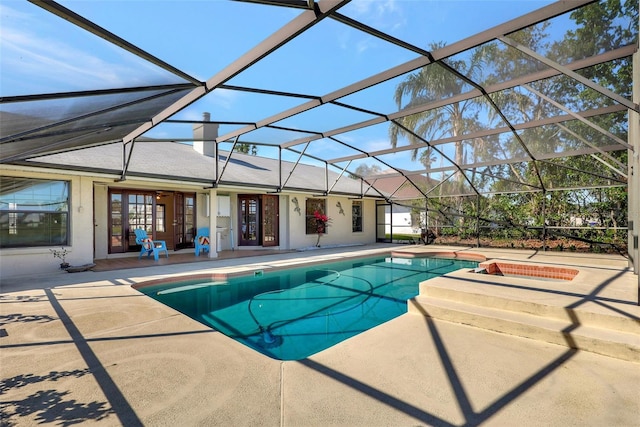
[[213, 222]]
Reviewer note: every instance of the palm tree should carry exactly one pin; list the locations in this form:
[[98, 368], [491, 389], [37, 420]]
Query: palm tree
[[434, 82]]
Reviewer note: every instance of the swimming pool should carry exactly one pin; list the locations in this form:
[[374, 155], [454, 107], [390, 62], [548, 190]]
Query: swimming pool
[[294, 313]]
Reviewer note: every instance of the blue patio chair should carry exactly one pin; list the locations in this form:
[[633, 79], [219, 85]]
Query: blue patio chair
[[202, 240], [149, 246]]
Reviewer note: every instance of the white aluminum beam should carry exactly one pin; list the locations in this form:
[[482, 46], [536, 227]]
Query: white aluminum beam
[[568, 72], [536, 16], [482, 133], [579, 117], [296, 26]]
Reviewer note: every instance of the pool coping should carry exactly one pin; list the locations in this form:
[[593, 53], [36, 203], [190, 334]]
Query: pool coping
[[462, 255], [253, 268]]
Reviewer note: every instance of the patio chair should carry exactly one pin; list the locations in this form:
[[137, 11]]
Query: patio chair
[[202, 240], [150, 246]]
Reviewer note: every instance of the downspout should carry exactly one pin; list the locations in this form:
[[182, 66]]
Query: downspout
[[544, 220]]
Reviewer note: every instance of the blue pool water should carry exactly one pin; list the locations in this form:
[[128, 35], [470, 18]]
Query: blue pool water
[[292, 314]]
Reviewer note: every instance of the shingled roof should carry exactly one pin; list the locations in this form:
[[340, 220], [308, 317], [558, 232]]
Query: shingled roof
[[177, 161]]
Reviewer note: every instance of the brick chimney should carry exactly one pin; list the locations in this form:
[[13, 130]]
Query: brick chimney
[[204, 135]]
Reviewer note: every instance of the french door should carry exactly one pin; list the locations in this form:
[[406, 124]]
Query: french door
[[184, 221], [258, 220], [164, 216]]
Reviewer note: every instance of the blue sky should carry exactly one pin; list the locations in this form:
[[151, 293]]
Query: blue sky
[[201, 37], [41, 53]]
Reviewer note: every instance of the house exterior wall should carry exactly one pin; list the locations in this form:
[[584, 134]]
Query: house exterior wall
[[292, 224], [89, 219], [284, 224], [101, 213], [36, 260], [339, 230]]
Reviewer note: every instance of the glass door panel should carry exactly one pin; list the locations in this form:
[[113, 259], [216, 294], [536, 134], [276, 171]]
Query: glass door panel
[[140, 214], [189, 219], [383, 223], [249, 220], [116, 230], [270, 220]]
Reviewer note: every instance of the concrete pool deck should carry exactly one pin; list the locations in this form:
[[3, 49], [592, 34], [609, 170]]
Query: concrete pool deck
[[87, 348]]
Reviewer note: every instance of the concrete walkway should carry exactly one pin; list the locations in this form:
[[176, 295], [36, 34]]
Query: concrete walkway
[[86, 348]]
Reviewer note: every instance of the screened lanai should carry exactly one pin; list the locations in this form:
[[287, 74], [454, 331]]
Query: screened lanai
[[462, 111]]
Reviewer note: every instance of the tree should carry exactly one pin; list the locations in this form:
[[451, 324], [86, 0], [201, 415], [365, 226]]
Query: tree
[[364, 170], [246, 148], [599, 27], [434, 82]]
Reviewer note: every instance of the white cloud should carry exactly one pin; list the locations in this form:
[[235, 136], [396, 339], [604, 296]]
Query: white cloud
[[35, 55], [384, 15], [376, 145], [29, 54], [192, 115], [223, 98], [364, 45]]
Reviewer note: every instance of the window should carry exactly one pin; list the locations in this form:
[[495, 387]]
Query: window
[[312, 206], [356, 216], [33, 212]]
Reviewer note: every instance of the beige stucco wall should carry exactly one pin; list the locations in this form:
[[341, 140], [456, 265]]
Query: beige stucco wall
[[19, 261], [292, 223], [339, 232], [89, 221], [101, 209]]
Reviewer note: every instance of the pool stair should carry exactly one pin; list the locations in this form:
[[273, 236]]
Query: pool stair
[[532, 309]]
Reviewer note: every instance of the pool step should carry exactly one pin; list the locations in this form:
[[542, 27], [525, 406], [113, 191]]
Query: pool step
[[555, 306], [565, 331]]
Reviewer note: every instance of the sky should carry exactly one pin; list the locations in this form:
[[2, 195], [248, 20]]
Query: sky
[[201, 37], [41, 53]]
